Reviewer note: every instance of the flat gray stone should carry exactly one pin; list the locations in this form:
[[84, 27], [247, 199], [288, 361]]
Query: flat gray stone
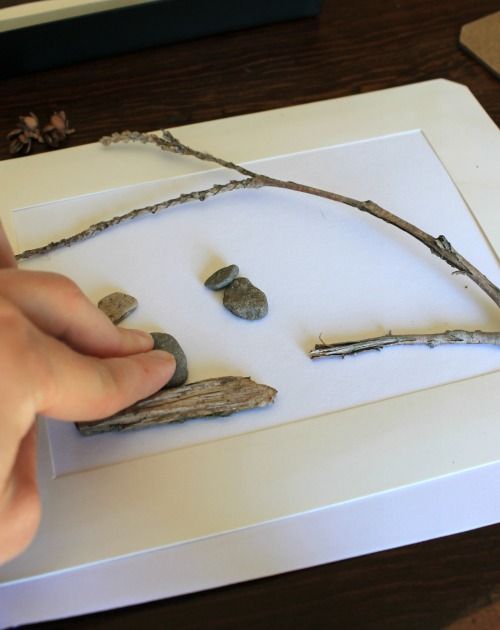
[[164, 341], [222, 278], [245, 300], [117, 306]]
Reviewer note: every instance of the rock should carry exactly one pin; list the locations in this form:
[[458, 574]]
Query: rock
[[164, 341], [222, 278], [244, 300], [117, 306]]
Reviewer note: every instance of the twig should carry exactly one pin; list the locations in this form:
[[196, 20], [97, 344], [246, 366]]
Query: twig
[[212, 397], [440, 246], [346, 348], [97, 228], [168, 142]]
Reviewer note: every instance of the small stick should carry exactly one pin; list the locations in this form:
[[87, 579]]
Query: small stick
[[101, 226], [346, 348], [212, 397]]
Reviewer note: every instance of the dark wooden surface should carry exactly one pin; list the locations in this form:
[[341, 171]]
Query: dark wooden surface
[[354, 46], [7, 4]]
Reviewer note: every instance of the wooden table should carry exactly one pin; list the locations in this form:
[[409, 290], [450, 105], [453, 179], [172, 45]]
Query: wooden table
[[354, 46]]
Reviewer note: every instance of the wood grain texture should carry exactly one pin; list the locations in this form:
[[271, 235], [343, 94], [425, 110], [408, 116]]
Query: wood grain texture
[[354, 46], [6, 4], [213, 397], [419, 587]]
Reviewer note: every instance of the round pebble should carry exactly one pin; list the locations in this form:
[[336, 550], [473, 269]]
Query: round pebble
[[245, 300], [164, 341], [117, 306], [222, 278]]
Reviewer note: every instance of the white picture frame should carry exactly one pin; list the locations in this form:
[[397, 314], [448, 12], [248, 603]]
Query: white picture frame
[[295, 503]]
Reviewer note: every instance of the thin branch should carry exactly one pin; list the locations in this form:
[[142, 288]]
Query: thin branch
[[170, 143], [459, 337], [221, 396], [439, 246], [101, 226]]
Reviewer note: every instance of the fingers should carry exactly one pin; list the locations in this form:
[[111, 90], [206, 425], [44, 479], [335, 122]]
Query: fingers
[[19, 502], [40, 374], [77, 387], [7, 258], [44, 375], [60, 356], [57, 306]]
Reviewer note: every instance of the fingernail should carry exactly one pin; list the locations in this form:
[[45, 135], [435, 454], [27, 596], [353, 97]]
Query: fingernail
[[139, 339], [163, 354]]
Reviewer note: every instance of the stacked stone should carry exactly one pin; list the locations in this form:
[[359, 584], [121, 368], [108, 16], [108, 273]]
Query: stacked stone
[[241, 297]]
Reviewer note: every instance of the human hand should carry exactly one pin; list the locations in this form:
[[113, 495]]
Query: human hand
[[60, 357]]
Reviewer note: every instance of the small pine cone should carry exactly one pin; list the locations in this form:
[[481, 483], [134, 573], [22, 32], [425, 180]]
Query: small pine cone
[[20, 144], [53, 138], [22, 136], [57, 130]]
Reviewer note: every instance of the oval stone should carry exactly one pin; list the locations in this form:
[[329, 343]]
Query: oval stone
[[117, 306], [222, 278], [164, 341], [245, 300]]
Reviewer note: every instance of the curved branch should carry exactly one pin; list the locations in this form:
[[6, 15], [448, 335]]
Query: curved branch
[[439, 246], [101, 226]]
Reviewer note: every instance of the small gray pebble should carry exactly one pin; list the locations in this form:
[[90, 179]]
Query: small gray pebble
[[117, 306], [164, 341], [244, 300], [222, 278]]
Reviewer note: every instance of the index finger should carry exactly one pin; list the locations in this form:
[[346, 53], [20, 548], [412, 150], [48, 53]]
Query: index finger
[[58, 307]]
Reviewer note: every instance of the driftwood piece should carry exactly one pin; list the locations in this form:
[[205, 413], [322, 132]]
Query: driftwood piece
[[345, 348], [221, 396]]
